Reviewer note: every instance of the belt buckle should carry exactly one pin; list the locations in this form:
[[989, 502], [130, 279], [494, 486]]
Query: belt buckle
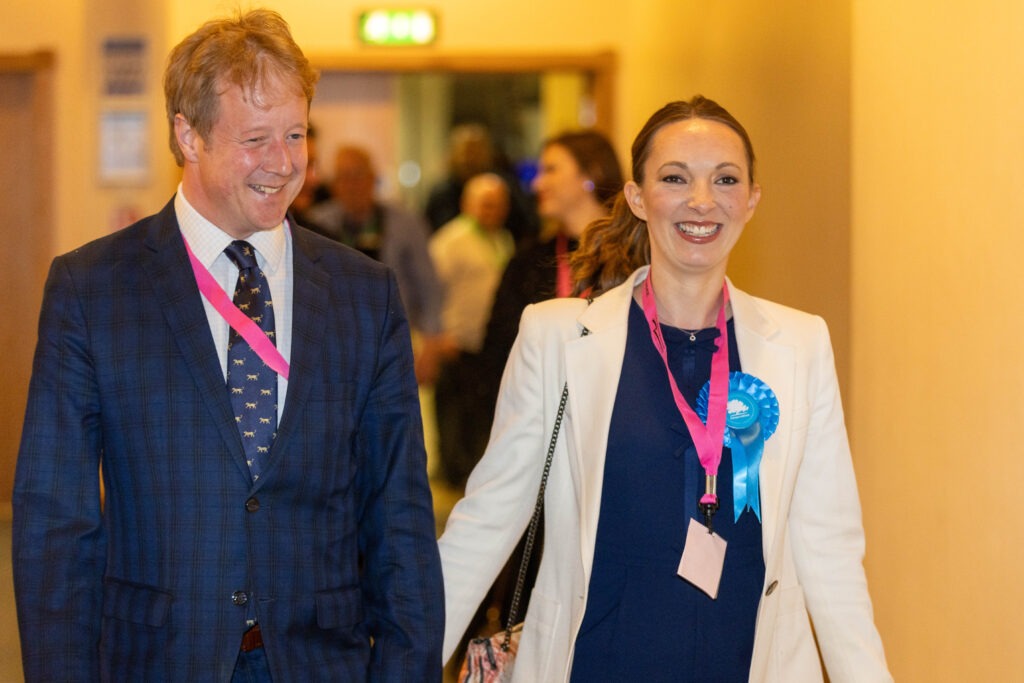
[[252, 639]]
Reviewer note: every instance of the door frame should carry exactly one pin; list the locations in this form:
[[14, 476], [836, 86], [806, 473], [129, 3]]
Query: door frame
[[34, 210], [599, 66]]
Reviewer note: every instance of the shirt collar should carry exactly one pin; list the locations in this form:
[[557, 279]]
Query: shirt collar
[[208, 242]]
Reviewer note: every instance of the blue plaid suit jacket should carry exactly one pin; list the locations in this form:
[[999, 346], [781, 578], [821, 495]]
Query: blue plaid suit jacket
[[152, 577]]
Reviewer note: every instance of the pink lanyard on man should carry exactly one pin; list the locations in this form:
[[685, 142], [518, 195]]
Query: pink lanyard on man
[[237, 319], [707, 439]]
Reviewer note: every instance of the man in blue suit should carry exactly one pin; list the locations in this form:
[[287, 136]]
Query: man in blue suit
[[170, 525]]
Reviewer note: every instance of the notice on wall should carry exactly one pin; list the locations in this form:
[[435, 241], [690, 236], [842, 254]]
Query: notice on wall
[[123, 120], [124, 67], [124, 147]]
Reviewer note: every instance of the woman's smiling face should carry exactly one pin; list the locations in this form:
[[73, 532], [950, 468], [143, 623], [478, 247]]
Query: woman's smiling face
[[696, 196]]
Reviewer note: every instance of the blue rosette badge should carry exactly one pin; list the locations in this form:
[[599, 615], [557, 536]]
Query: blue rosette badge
[[752, 414]]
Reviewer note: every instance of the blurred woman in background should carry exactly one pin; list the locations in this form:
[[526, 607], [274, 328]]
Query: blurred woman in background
[[578, 177]]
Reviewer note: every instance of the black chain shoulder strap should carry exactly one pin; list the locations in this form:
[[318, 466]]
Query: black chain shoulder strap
[[538, 508]]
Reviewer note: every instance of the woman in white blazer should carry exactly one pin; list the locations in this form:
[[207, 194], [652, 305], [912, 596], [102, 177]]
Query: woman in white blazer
[[612, 601]]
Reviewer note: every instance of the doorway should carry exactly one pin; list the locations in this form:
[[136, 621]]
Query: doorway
[[401, 108], [26, 208]]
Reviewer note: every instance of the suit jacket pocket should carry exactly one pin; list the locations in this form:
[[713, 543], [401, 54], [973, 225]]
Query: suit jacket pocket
[[339, 608], [135, 602]]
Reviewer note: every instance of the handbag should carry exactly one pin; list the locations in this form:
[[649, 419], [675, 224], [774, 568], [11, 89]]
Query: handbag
[[491, 660]]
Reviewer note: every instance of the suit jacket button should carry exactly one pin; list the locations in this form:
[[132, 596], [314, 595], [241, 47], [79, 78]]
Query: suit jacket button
[[771, 588], [239, 598], [252, 505]]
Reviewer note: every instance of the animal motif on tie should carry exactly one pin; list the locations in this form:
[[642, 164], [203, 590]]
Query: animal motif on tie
[[253, 385]]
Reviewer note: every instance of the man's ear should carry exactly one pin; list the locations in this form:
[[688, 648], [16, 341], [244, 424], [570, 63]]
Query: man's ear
[[188, 138]]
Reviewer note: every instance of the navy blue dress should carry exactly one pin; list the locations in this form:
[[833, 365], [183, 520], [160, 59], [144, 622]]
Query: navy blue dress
[[643, 622]]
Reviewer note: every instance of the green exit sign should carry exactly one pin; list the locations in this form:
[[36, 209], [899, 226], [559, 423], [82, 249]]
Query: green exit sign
[[398, 27]]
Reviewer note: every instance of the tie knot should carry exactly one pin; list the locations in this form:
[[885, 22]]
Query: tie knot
[[242, 253]]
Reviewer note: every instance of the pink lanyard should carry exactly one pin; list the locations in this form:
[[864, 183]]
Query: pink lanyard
[[238, 320], [707, 439]]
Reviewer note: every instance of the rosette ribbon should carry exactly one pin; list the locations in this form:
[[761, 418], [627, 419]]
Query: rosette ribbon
[[752, 414]]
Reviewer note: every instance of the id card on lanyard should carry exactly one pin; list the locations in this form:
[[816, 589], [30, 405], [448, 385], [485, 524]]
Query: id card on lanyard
[[703, 558]]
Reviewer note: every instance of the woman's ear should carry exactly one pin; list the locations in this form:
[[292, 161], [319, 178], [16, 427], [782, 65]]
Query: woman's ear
[[754, 200], [634, 197], [187, 137]]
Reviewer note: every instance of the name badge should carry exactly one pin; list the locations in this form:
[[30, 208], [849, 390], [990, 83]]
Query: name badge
[[703, 558]]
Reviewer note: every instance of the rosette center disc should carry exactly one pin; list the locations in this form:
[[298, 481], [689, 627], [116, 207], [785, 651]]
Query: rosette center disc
[[741, 411]]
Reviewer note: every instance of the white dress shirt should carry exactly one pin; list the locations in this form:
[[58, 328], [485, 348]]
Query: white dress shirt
[[273, 254]]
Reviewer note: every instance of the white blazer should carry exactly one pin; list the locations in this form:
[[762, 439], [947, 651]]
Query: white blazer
[[812, 533]]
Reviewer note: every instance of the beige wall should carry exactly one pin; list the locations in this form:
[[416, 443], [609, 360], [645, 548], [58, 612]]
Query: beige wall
[[891, 201], [937, 325], [784, 71], [74, 31]]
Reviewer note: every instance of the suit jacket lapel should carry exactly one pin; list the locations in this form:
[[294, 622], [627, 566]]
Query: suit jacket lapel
[[310, 287], [774, 363], [174, 284]]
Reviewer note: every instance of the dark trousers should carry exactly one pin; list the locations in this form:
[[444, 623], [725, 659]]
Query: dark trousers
[[464, 404], [252, 667]]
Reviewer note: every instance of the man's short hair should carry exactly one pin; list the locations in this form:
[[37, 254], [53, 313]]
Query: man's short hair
[[246, 51]]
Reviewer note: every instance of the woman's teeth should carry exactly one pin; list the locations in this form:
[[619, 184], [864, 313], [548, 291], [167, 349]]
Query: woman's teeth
[[694, 230]]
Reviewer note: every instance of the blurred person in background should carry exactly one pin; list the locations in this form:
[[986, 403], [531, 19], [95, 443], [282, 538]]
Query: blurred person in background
[[471, 152], [388, 233], [469, 253], [578, 177]]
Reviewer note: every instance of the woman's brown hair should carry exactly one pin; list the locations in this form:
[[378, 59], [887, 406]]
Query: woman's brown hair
[[596, 158]]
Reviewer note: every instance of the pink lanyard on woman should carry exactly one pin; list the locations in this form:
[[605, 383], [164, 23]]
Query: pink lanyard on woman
[[237, 319], [706, 438]]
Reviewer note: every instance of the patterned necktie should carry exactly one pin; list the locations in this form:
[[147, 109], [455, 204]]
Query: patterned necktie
[[252, 384]]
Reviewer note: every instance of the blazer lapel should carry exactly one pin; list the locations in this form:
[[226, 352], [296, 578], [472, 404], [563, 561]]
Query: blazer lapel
[[309, 304], [175, 285], [593, 366], [775, 364]]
